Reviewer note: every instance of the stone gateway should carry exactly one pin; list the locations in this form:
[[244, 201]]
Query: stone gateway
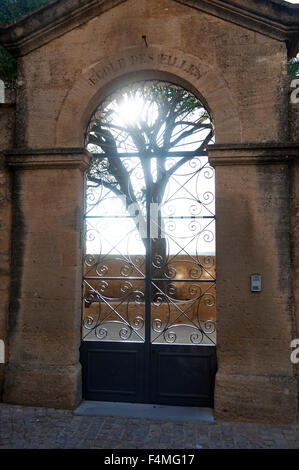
[[232, 56]]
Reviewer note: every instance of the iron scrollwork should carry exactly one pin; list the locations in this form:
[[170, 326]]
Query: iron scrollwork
[[133, 278]]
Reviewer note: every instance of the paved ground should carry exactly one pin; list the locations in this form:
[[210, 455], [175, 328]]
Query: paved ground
[[43, 428]]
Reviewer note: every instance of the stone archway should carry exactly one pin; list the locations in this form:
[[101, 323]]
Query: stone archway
[[146, 63], [237, 382], [68, 158], [62, 78]]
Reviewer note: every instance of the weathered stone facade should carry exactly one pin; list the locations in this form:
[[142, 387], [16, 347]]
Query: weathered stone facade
[[233, 56]]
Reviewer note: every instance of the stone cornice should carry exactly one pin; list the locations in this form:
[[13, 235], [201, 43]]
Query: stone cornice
[[7, 105], [274, 18], [58, 158], [219, 154], [50, 21], [252, 154]]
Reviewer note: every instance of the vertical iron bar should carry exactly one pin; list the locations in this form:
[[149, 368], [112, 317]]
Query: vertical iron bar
[[147, 345], [83, 250]]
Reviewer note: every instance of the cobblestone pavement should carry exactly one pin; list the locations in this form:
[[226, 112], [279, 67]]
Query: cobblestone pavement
[[24, 427]]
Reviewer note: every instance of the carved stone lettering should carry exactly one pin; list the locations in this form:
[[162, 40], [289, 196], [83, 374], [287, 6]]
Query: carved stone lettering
[[105, 69], [173, 61], [140, 59]]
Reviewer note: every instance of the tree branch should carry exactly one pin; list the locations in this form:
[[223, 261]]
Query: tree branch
[[106, 184], [181, 162]]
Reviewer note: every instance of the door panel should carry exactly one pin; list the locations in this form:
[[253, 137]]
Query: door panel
[[113, 371], [183, 375]]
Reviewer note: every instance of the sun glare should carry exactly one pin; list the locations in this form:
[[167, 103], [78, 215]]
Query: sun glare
[[130, 110]]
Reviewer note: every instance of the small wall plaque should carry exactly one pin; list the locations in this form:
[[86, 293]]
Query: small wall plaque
[[256, 282]]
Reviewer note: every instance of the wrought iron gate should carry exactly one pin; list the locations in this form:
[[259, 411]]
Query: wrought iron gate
[[148, 329]]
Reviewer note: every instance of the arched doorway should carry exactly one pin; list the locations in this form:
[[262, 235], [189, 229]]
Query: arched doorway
[[149, 323]]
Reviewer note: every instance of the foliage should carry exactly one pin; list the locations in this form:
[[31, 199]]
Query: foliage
[[12, 9], [293, 66], [9, 11], [8, 69]]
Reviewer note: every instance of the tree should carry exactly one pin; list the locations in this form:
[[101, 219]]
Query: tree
[[293, 66], [171, 117], [9, 11], [170, 122]]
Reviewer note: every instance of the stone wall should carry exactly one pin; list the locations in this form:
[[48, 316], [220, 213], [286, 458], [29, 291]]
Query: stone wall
[[240, 73], [294, 206], [45, 306], [255, 379], [7, 127]]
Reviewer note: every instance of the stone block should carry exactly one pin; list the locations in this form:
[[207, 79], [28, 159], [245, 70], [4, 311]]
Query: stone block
[[259, 399], [51, 386]]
